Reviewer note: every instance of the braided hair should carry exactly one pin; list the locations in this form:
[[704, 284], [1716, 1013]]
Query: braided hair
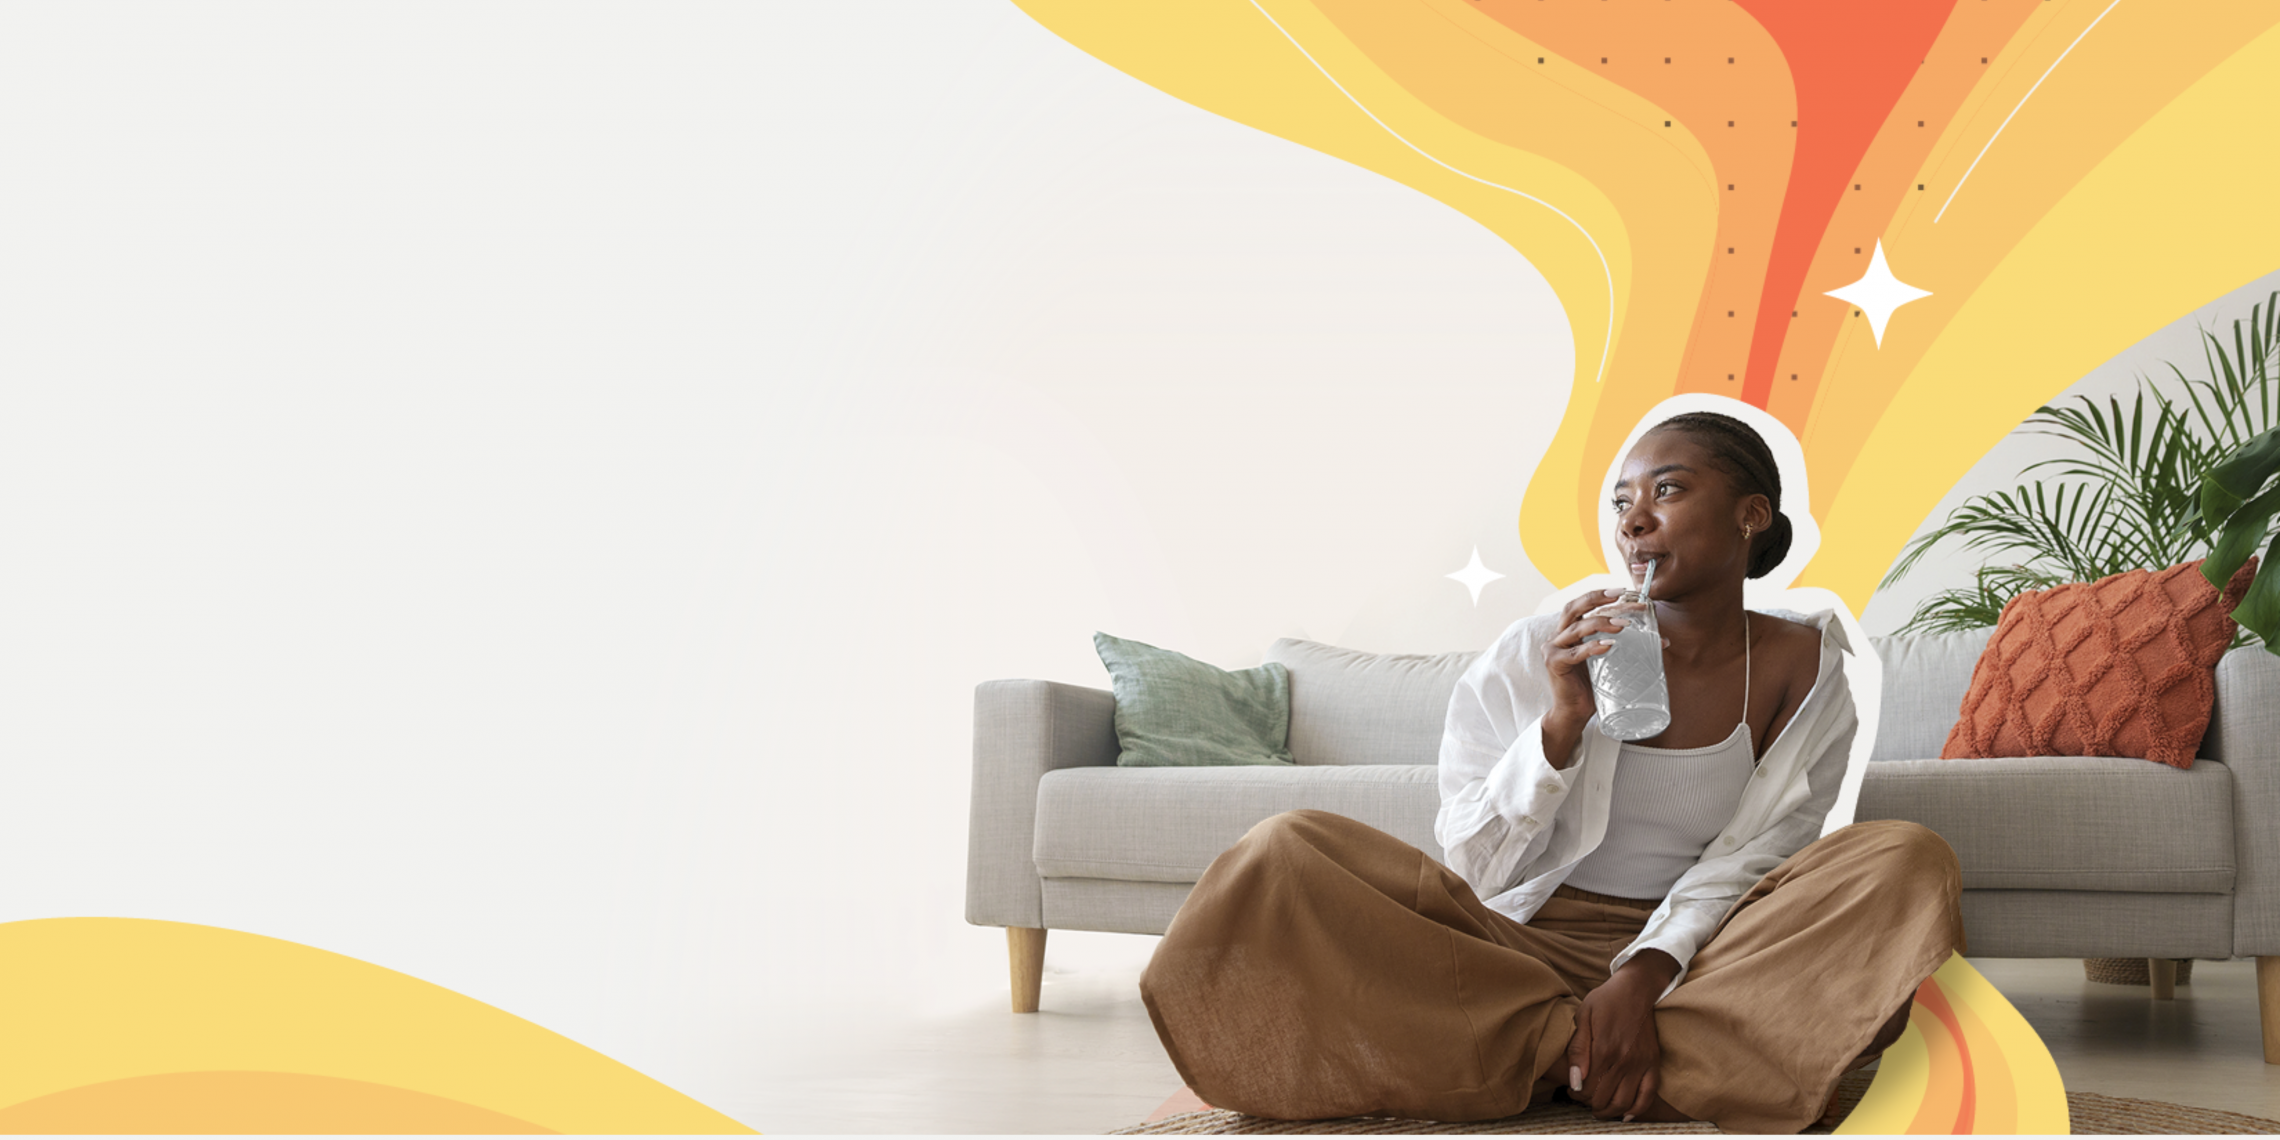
[[1738, 450]]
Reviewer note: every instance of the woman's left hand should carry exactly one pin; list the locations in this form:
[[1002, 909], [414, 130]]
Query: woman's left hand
[[1615, 1045]]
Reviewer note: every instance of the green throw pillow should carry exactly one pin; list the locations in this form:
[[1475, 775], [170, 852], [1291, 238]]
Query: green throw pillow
[[1174, 710]]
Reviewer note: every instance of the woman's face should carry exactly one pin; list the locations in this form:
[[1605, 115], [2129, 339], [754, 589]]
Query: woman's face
[[1672, 505]]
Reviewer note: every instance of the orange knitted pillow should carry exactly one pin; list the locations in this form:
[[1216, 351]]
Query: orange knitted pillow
[[2123, 666]]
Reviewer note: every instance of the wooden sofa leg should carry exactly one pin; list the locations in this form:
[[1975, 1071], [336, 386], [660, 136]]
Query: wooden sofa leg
[[2268, 1005], [1025, 951], [2163, 973]]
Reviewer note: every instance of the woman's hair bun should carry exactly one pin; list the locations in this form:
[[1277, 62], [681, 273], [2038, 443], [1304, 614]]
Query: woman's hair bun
[[1770, 546]]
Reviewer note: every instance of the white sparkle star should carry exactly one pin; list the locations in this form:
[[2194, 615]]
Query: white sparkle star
[[1878, 292], [1475, 575]]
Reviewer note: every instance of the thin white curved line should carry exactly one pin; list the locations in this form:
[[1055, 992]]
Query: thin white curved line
[[2015, 112], [1608, 343]]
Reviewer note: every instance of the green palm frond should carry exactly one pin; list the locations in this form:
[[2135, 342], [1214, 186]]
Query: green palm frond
[[1979, 604], [2132, 489]]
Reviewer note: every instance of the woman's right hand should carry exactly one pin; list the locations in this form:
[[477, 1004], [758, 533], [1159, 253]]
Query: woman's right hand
[[1568, 658]]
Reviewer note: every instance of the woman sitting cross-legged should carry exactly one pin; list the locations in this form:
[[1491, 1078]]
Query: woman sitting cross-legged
[[1656, 929]]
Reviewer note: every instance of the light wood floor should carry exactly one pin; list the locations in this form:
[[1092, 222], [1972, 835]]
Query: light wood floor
[[2203, 1048], [1088, 1061]]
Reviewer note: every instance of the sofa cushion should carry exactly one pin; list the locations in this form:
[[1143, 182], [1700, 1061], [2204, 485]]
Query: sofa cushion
[[2122, 666], [2067, 823], [1924, 681], [1351, 707], [1168, 824], [1172, 709]]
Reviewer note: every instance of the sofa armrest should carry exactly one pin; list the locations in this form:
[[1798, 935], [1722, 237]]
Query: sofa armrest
[[2244, 735], [1022, 730]]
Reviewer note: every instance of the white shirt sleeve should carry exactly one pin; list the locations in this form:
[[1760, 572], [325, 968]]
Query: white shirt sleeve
[[1498, 790], [1702, 896]]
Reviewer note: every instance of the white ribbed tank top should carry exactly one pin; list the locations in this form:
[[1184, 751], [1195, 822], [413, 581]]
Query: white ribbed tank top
[[1667, 805]]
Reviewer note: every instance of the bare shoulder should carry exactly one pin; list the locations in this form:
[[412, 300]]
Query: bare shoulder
[[1786, 649]]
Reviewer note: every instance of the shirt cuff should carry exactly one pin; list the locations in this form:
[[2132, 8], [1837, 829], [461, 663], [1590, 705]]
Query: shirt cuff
[[1674, 943], [1524, 786]]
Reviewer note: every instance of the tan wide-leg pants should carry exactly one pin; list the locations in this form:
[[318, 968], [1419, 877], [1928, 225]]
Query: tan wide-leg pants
[[1324, 968]]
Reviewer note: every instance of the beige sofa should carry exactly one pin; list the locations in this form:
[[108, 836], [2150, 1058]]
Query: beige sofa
[[2063, 857]]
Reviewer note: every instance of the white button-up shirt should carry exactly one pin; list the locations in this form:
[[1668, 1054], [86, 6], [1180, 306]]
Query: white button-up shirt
[[1514, 826]]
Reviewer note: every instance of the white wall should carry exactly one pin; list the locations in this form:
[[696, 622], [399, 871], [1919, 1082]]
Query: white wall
[[522, 493], [2179, 343]]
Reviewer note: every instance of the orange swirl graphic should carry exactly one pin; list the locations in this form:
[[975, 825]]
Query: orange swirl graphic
[[1968, 1064], [1990, 186]]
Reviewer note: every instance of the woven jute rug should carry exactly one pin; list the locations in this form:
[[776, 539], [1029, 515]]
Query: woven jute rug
[[2091, 1115]]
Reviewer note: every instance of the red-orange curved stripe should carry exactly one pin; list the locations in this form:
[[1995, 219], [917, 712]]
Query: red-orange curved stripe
[[1933, 999], [1850, 63]]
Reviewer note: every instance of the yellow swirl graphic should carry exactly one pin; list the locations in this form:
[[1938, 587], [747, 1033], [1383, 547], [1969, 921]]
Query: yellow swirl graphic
[[1968, 1064], [131, 1025]]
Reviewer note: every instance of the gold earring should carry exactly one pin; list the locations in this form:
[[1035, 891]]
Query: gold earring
[[1746, 531]]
